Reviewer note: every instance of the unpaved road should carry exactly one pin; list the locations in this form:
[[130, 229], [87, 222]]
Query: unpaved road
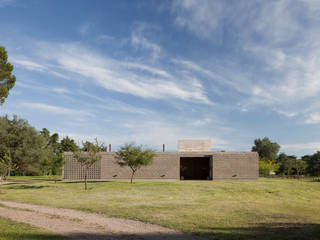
[[87, 226]]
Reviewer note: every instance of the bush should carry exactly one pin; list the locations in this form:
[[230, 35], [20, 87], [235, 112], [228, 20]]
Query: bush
[[267, 168]]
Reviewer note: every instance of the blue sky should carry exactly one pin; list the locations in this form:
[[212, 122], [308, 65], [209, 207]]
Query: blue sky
[[158, 71]]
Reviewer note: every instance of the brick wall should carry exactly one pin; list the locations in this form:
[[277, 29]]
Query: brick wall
[[167, 166], [237, 165], [72, 170]]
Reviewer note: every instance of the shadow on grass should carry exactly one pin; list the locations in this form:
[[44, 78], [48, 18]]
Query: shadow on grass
[[82, 181], [19, 186], [281, 231], [31, 236], [316, 180]]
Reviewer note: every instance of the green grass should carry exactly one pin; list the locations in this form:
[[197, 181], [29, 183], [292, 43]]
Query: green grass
[[264, 209], [10, 230]]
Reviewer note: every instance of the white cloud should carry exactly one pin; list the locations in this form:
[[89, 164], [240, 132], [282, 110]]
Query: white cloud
[[56, 109], [201, 122], [314, 118], [202, 17], [28, 64], [279, 41], [74, 61], [312, 146], [139, 40], [85, 28], [152, 70]]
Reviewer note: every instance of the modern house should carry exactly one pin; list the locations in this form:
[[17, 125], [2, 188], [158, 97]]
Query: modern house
[[193, 161]]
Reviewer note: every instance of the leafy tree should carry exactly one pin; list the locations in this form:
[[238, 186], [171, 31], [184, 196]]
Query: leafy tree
[[290, 165], [7, 165], [134, 157], [313, 163], [7, 80], [266, 149], [267, 166], [52, 163], [88, 158], [300, 167], [22, 143], [88, 145], [68, 145]]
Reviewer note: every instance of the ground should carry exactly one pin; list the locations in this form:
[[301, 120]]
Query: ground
[[264, 209], [10, 230]]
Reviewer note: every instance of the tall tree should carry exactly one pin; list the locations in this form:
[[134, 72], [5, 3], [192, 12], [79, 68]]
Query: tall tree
[[88, 158], [7, 80], [266, 149], [313, 163], [52, 164], [134, 157], [68, 145], [22, 143]]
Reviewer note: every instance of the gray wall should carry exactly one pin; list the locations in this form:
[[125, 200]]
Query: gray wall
[[232, 165]]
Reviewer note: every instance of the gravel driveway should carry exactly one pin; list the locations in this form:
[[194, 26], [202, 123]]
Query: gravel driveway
[[81, 225]]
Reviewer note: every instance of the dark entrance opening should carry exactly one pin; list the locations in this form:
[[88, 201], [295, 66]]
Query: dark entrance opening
[[195, 168]]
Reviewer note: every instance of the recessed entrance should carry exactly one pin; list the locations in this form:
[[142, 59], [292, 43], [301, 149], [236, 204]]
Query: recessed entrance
[[195, 168]]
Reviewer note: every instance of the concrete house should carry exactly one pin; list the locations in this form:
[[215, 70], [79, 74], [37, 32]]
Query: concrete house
[[193, 161]]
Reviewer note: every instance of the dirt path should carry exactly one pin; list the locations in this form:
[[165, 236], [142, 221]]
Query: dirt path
[[87, 226]]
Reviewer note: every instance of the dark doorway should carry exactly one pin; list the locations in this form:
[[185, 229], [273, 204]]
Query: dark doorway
[[195, 168]]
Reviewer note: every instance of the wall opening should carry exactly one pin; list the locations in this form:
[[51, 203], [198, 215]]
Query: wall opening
[[195, 168]]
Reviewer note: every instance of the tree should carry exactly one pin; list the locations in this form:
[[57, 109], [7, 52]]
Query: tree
[[134, 157], [52, 163], [7, 80], [7, 165], [23, 144], [313, 163], [68, 145], [87, 145], [88, 158], [267, 166], [266, 149]]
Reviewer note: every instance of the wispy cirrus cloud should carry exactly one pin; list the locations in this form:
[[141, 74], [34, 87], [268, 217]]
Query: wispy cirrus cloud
[[142, 80], [56, 109], [279, 44], [311, 146]]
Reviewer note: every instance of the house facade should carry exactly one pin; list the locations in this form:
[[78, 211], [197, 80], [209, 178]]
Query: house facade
[[193, 161]]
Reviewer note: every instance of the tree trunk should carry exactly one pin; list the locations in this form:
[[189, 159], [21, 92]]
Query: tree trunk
[[8, 173], [132, 176], [85, 179]]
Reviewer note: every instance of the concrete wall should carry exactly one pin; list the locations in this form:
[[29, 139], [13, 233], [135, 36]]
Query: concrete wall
[[164, 166], [236, 165], [194, 145], [167, 166]]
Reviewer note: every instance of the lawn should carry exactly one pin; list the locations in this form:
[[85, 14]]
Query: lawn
[[10, 230], [264, 209]]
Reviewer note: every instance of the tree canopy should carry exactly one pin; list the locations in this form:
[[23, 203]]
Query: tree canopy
[[134, 157], [7, 80], [89, 157], [266, 149], [22, 143], [68, 145]]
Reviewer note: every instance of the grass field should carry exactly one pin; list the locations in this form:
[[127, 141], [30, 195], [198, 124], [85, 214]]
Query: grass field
[[10, 230], [264, 209]]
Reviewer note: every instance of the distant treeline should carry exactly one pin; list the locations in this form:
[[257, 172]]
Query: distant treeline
[[26, 151], [272, 163]]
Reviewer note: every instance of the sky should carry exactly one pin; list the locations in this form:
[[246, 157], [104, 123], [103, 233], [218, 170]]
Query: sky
[[154, 72]]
